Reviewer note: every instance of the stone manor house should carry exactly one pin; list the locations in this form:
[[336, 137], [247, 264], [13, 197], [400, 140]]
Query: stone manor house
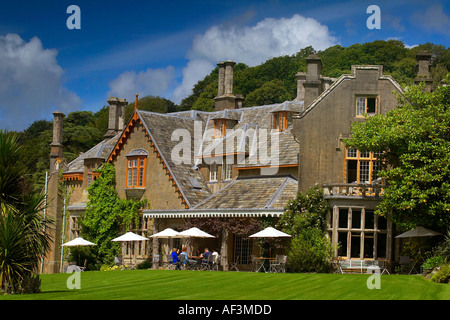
[[239, 162]]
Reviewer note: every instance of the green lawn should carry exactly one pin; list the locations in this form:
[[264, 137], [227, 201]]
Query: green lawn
[[204, 285]]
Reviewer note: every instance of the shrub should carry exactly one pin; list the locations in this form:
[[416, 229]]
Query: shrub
[[433, 262], [443, 275], [310, 251]]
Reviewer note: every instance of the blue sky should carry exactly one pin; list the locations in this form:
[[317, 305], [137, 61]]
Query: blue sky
[[164, 47]]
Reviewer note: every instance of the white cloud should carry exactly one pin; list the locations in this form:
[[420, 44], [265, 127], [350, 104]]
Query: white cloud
[[268, 38], [31, 83], [195, 70], [251, 45], [149, 82], [434, 19]]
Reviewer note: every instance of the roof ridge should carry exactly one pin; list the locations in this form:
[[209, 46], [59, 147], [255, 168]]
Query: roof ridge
[[277, 193]]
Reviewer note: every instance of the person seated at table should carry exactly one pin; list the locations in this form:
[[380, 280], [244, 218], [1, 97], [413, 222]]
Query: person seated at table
[[205, 255], [175, 258], [185, 255]]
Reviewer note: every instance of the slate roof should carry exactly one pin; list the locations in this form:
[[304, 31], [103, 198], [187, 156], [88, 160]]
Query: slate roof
[[253, 193], [245, 132], [160, 128], [100, 151]]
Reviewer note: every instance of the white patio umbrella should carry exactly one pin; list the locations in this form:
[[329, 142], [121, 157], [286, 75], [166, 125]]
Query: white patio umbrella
[[195, 233], [129, 237], [78, 242], [270, 232], [166, 234]]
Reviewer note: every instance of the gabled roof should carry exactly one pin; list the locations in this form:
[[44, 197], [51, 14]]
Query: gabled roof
[[160, 127], [346, 77]]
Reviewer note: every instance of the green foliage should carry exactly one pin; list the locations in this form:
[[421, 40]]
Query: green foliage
[[415, 142], [23, 241], [269, 93], [106, 215], [305, 219], [433, 262], [443, 275]]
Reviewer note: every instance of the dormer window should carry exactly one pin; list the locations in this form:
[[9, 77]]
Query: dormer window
[[281, 120], [136, 168], [367, 105], [220, 128], [91, 175]]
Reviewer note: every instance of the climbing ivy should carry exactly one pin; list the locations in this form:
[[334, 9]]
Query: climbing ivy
[[107, 216]]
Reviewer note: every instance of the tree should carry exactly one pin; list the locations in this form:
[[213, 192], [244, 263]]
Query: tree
[[23, 241], [305, 220], [270, 92], [414, 145]]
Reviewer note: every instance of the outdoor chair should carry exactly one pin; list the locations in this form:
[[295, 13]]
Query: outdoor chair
[[186, 263], [235, 264], [170, 264], [277, 265], [84, 266], [206, 264], [117, 261], [255, 263], [405, 262]]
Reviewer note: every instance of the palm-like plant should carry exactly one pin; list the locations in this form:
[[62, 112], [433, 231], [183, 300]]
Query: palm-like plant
[[23, 239]]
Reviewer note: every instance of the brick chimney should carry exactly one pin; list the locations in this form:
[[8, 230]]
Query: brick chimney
[[56, 147], [116, 120], [423, 70], [225, 98], [312, 82]]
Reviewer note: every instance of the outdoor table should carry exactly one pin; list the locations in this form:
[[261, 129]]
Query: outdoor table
[[262, 261]]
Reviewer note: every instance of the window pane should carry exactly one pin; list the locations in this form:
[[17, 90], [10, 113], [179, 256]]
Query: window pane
[[352, 153], [134, 177], [356, 219], [375, 169], [276, 121], [368, 245], [355, 246], [343, 218], [371, 105], [129, 178], [381, 245], [360, 106], [352, 171], [141, 162], [130, 163], [342, 239], [141, 177], [364, 173], [369, 220], [282, 121]]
